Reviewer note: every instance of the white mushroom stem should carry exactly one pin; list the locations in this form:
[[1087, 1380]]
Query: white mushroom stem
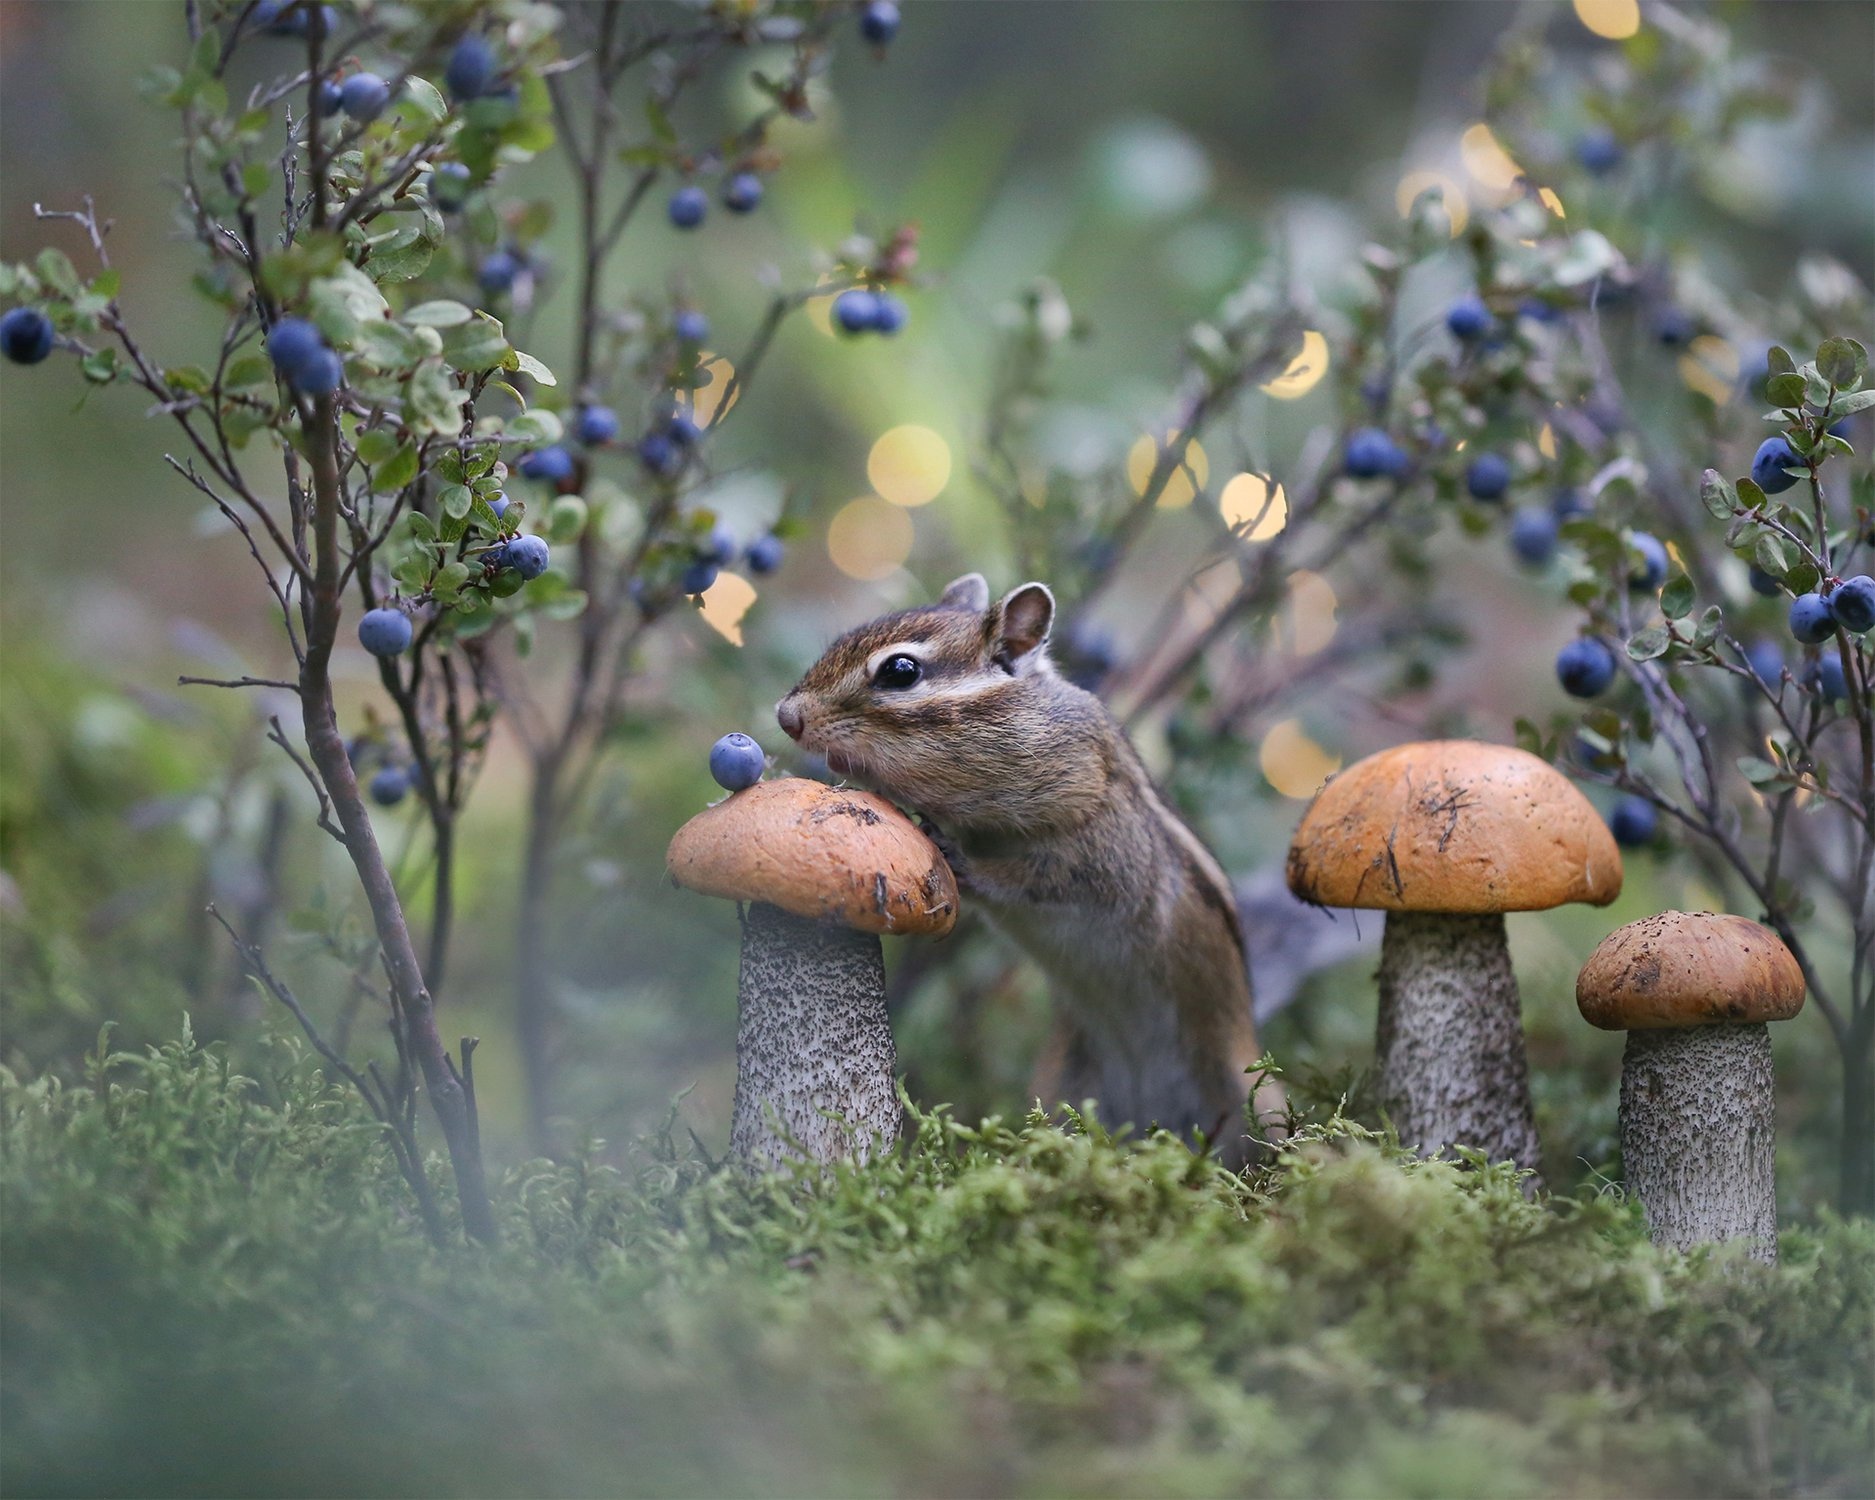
[[1451, 1063], [814, 1055], [1699, 1135]]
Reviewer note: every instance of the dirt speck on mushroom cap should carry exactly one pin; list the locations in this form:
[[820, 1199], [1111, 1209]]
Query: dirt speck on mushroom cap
[[826, 853], [1456, 826], [1679, 969]]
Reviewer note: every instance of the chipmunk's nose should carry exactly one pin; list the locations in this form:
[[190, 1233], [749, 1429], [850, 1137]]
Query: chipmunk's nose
[[789, 717]]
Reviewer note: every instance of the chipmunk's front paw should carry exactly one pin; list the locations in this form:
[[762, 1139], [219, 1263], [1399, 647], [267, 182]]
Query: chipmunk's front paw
[[953, 856]]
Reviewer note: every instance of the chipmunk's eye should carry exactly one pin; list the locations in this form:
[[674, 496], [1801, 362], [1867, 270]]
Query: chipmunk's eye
[[897, 672]]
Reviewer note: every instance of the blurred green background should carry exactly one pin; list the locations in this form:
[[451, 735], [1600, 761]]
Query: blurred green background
[[1143, 156]]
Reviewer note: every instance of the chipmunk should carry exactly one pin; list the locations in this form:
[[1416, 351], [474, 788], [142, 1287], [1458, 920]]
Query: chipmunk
[[1050, 822]]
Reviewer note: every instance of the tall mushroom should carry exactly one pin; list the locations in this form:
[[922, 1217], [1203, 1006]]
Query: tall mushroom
[[1445, 837], [1693, 991], [824, 872]]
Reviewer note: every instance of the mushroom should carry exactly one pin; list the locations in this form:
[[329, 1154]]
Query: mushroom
[[1693, 991], [824, 871], [1445, 837]]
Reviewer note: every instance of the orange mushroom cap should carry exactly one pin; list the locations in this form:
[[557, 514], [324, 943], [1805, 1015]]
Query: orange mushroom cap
[[1453, 826], [820, 852], [1685, 968]]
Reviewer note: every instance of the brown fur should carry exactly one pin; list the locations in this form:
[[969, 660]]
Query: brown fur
[[1055, 829]]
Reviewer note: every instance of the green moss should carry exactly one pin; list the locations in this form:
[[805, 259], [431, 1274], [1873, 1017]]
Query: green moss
[[214, 1285]]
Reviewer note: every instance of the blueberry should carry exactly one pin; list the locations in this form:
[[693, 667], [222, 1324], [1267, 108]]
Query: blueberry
[[878, 21], [1810, 619], [1852, 603], [26, 335], [736, 761], [498, 271], [1754, 368], [1766, 584], [595, 426], [1371, 453], [856, 311], [1487, 476], [281, 17], [389, 786], [550, 465], [682, 429], [1841, 430], [384, 632], [765, 554], [719, 546], [1774, 456], [499, 505], [321, 375], [497, 557], [364, 95], [331, 98], [1539, 311], [527, 555], [1585, 667], [1633, 821], [1592, 756], [1598, 150], [1674, 326], [292, 345], [742, 194], [1827, 676], [698, 576], [659, 454], [450, 184], [1566, 505], [1653, 569], [687, 207], [889, 314], [471, 68], [691, 327], [1533, 535], [355, 750], [1469, 318], [1766, 662]]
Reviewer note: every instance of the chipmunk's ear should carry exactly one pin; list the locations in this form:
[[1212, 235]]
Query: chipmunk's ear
[[971, 592], [1023, 621]]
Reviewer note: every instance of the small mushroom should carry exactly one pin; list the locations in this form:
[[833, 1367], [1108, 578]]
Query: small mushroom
[[1445, 837], [824, 871], [1693, 991]]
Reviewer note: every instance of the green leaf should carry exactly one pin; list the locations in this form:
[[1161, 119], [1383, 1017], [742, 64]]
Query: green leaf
[[341, 302], [1649, 643], [1758, 772], [476, 345], [534, 427], [528, 365], [1841, 362], [1785, 390], [376, 445], [456, 501], [1778, 361], [99, 366], [450, 579], [256, 179], [1709, 625], [1749, 495], [56, 270], [190, 378], [1676, 599], [422, 95], [419, 526], [1717, 494], [106, 283], [433, 401], [1772, 553], [248, 371], [390, 346], [397, 471], [566, 518], [439, 314], [569, 605], [1844, 406]]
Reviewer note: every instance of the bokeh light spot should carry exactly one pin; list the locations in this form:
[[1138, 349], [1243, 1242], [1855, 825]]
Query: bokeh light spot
[[1453, 196], [1552, 201], [909, 465], [715, 372], [1487, 161], [725, 602], [1307, 622], [1304, 372], [1293, 763], [1546, 441], [1710, 366], [869, 538], [1179, 488], [1615, 19], [1253, 508]]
